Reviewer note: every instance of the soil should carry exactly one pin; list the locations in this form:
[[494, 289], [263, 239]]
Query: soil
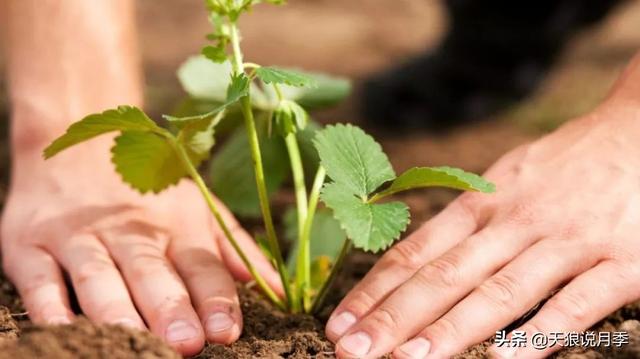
[[372, 34], [83, 340], [269, 333]]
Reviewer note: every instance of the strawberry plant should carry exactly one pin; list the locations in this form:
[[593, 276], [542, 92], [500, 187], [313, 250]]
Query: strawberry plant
[[352, 177]]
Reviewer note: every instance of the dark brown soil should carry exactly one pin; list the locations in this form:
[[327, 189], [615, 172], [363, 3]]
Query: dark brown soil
[[83, 340], [8, 326], [269, 333]]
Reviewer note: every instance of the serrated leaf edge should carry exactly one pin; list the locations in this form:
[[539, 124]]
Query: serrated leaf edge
[[366, 247], [117, 169]]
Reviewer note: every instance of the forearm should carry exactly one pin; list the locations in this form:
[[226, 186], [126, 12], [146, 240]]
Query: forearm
[[619, 113], [66, 59]]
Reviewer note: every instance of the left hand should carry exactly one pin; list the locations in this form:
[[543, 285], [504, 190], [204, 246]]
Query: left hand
[[566, 215]]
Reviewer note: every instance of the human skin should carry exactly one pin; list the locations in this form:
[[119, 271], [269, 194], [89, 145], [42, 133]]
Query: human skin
[[565, 217], [143, 261]]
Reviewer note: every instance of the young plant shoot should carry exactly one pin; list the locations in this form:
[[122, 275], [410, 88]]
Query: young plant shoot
[[345, 168]]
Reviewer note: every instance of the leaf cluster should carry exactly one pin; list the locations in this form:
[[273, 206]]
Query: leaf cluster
[[231, 172], [149, 157], [362, 175], [281, 137]]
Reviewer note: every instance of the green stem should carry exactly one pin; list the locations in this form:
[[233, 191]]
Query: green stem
[[303, 270], [193, 172], [318, 304], [254, 144], [278, 92], [298, 179], [301, 204]]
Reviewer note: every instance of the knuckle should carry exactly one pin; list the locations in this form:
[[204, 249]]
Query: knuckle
[[359, 302], [443, 329], [533, 326], [196, 263], [444, 271], [34, 284], [521, 214], [574, 307], [574, 229], [145, 265], [468, 203], [90, 270], [172, 304], [385, 319], [501, 289], [406, 254], [627, 272]]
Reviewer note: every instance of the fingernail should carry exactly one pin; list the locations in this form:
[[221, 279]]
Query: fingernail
[[59, 320], [357, 344], [341, 323], [504, 352], [219, 322], [180, 330], [417, 348], [126, 322]]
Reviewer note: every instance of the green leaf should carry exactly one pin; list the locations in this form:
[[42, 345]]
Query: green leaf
[[327, 236], [231, 171], [238, 88], [203, 79], [196, 132], [217, 6], [308, 152], [207, 81], [289, 117], [120, 119], [353, 159], [420, 177], [371, 227], [329, 91], [197, 139], [146, 161], [275, 75], [216, 54]]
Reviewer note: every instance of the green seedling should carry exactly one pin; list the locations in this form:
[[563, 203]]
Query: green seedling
[[271, 137]]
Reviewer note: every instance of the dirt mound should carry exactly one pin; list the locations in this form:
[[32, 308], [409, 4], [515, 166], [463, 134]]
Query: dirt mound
[[269, 333], [8, 326], [80, 340]]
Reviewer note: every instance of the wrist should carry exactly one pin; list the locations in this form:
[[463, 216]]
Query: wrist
[[36, 122], [33, 129], [625, 93]]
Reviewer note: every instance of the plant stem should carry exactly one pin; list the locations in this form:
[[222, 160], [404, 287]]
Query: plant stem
[[318, 303], [298, 179], [193, 172], [303, 263], [301, 204], [247, 112]]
